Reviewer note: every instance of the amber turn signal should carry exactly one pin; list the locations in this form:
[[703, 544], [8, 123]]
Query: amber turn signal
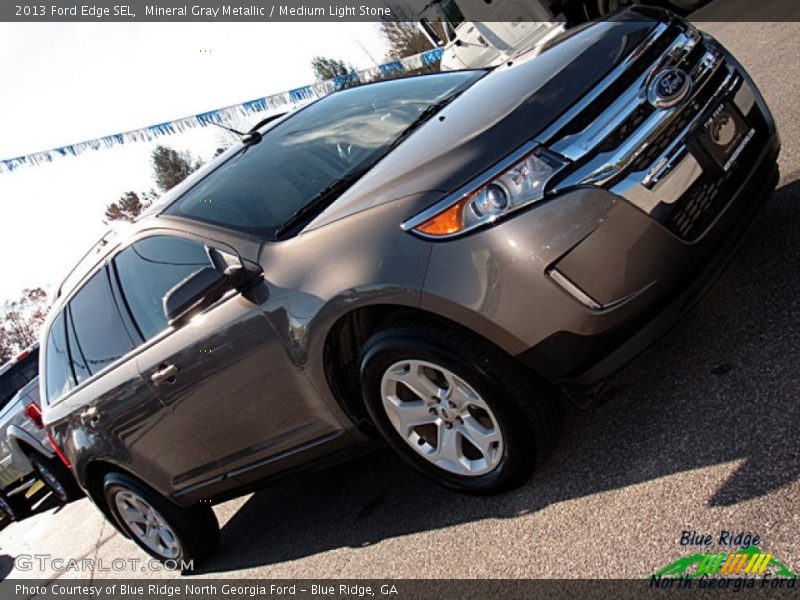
[[450, 220]]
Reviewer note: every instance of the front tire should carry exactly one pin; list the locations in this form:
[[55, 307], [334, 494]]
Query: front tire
[[167, 532], [56, 477], [457, 409]]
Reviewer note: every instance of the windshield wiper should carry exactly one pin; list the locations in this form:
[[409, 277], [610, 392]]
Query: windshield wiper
[[423, 117], [322, 199], [337, 187]]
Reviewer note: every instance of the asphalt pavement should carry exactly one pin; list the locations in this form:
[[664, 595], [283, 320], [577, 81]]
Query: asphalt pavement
[[700, 434]]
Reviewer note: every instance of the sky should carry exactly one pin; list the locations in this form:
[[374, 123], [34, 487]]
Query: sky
[[68, 82]]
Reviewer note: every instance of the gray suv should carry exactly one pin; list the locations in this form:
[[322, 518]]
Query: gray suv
[[437, 261]]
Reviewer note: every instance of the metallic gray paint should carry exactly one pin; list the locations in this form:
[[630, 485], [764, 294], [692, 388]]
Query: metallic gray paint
[[516, 102], [260, 401]]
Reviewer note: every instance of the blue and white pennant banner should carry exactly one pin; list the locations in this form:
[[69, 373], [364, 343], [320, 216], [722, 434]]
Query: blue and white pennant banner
[[229, 114]]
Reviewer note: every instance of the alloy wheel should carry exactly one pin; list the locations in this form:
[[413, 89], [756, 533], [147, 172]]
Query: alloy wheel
[[143, 521], [442, 417]]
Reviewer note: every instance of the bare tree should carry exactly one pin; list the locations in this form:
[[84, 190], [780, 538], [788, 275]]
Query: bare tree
[[6, 353], [404, 38], [20, 321], [403, 34]]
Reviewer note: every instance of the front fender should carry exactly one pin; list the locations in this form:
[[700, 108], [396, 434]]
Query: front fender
[[321, 275]]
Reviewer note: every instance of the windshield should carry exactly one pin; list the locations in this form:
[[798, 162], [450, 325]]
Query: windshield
[[264, 185]]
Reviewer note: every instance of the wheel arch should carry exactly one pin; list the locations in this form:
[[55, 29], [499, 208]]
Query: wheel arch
[[22, 444], [347, 336], [93, 474]]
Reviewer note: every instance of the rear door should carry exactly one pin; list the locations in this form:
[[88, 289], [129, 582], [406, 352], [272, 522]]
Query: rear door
[[227, 384]]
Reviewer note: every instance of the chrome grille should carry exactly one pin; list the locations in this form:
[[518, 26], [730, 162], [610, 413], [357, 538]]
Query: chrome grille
[[679, 123], [616, 139], [652, 49]]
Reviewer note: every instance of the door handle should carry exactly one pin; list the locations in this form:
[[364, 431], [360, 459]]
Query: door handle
[[165, 374], [90, 416]]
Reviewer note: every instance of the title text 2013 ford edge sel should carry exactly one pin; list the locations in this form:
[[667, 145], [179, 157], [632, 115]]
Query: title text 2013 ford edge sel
[[432, 259]]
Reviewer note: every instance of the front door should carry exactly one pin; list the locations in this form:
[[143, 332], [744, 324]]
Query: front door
[[224, 376]]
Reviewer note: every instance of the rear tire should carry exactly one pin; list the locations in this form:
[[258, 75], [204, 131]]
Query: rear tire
[[167, 532], [56, 477], [477, 422], [14, 508]]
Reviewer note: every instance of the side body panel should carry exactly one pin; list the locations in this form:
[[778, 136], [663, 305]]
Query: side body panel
[[18, 435], [11, 467], [237, 399]]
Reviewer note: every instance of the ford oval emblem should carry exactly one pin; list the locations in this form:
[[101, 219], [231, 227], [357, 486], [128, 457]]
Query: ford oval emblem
[[669, 87]]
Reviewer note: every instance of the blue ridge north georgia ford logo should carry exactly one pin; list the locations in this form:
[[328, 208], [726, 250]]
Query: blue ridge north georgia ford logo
[[669, 87]]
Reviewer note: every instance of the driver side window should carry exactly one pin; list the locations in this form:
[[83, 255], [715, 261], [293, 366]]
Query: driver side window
[[148, 269]]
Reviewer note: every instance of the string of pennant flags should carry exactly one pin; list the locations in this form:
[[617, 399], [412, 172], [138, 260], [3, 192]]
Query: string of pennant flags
[[229, 114]]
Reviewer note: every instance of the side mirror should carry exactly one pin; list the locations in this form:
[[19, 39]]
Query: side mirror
[[195, 293], [240, 273]]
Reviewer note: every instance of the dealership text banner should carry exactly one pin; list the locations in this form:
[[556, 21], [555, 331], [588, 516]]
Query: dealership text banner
[[387, 589], [332, 10]]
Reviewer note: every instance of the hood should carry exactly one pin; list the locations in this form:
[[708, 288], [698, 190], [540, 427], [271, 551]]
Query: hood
[[499, 113]]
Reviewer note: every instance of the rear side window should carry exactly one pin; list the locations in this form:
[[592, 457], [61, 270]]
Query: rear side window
[[99, 332], [58, 374], [148, 269]]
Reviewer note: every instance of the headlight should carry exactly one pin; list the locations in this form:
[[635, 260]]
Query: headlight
[[508, 189]]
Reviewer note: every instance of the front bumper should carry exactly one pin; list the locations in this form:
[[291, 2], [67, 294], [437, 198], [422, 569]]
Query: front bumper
[[580, 362], [579, 285]]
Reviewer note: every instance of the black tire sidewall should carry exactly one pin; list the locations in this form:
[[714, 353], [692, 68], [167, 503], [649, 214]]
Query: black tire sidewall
[[9, 510], [518, 452], [39, 463]]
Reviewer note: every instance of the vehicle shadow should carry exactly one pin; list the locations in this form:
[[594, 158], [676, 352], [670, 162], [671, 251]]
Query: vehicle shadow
[[6, 565], [721, 387], [40, 501]]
